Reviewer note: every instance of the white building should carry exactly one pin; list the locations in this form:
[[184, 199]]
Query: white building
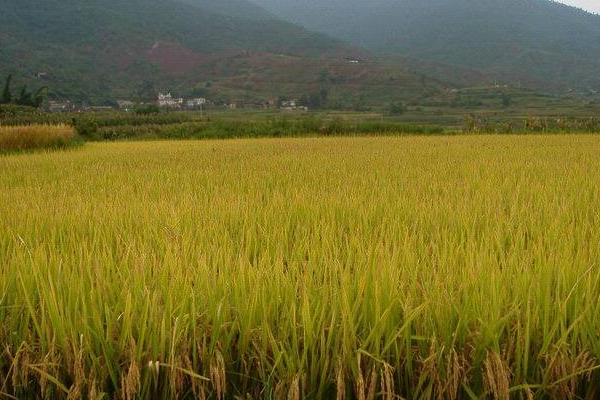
[[126, 105], [168, 101], [195, 103], [292, 105], [60, 106]]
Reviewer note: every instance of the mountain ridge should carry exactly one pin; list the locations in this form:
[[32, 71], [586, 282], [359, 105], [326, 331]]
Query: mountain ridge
[[535, 42], [96, 49]]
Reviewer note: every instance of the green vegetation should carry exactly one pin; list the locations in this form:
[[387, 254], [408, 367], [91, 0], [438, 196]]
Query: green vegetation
[[224, 129], [397, 108], [233, 52], [399, 120], [530, 42], [25, 98], [6, 92], [147, 109], [474, 124], [73, 45], [357, 268]]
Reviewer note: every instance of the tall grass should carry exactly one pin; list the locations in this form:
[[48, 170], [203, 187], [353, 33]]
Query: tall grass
[[35, 136], [415, 267]]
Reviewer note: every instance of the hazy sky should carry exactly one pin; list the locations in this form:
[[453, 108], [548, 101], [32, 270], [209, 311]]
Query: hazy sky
[[590, 5]]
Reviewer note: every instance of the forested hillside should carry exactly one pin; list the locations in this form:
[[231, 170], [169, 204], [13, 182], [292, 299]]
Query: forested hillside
[[539, 43], [101, 49]]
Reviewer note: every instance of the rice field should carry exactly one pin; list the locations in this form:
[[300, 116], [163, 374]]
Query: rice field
[[458, 267], [27, 137]]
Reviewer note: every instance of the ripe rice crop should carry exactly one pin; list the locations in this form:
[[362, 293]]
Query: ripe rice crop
[[344, 268], [35, 136]]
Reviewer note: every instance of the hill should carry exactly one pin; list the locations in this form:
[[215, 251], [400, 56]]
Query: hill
[[100, 50], [537, 43]]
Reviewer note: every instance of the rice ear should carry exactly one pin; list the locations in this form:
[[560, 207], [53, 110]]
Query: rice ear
[[130, 382], [340, 383], [294, 392], [218, 375], [497, 376]]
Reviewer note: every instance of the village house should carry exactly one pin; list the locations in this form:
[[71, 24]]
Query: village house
[[59, 106], [126, 105], [292, 105], [353, 60], [289, 104], [98, 108], [168, 101], [195, 103], [265, 105]]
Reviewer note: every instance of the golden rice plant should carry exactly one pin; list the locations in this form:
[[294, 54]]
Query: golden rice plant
[[35, 136], [340, 268]]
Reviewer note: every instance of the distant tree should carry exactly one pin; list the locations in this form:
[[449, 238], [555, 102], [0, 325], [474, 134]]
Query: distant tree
[[315, 101], [506, 101], [31, 99], [304, 101], [146, 91], [397, 108], [281, 100], [324, 94], [39, 96], [360, 103], [147, 109], [324, 77], [6, 94], [25, 97], [199, 91]]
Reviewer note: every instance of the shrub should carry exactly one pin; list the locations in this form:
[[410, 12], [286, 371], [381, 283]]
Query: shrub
[[147, 109], [397, 109], [86, 127]]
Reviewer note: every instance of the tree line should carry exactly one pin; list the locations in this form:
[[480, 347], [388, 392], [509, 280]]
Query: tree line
[[24, 96]]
